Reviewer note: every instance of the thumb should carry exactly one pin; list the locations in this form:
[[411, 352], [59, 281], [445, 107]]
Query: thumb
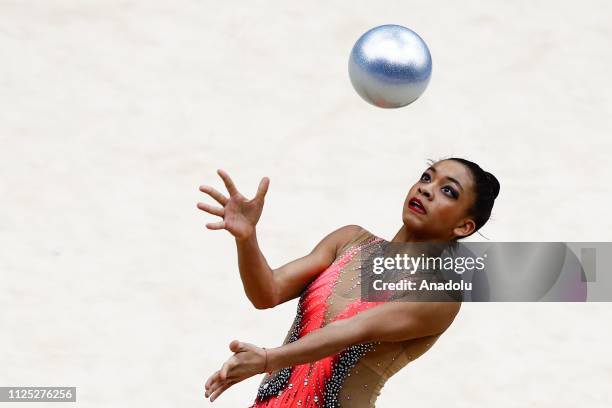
[[235, 346], [263, 187]]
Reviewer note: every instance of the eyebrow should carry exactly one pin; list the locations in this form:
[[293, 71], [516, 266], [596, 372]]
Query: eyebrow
[[454, 180]]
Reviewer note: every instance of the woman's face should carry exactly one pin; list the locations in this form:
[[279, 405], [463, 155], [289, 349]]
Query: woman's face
[[446, 193]]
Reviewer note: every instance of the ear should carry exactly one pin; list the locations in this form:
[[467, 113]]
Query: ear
[[465, 228]]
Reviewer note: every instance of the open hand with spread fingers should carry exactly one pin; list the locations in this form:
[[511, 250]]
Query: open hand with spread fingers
[[239, 214]]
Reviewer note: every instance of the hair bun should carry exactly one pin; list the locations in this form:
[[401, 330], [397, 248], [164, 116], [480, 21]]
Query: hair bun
[[493, 183]]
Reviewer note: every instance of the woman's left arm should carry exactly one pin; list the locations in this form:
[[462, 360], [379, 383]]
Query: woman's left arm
[[392, 321]]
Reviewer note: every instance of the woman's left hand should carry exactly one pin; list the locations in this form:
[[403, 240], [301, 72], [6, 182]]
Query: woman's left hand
[[247, 361]]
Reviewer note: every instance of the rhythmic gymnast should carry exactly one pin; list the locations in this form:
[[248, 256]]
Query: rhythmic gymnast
[[340, 350]]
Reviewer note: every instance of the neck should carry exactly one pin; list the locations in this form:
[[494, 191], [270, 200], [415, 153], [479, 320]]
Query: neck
[[432, 245], [403, 235]]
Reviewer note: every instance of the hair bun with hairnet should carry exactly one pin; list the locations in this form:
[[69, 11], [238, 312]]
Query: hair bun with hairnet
[[493, 183]]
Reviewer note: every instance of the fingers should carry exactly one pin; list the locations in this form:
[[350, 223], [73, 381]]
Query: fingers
[[222, 381], [263, 188], [212, 379], [213, 382], [216, 225], [220, 211], [214, 386], [224, 370], [229, 184], [220, 390], [217, 196]]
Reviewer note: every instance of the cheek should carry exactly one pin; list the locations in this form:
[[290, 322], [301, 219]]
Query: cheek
[[411, 193], [447, 212]]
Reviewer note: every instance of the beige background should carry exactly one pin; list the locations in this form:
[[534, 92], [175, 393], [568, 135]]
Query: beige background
[[112, 113]]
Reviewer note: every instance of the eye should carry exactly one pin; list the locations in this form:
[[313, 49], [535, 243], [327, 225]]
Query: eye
[[453, 193]]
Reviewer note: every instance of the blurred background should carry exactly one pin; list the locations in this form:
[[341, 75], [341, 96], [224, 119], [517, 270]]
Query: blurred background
[[112, 113]]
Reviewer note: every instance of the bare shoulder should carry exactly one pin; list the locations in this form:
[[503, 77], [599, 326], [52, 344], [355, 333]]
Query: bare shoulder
[[293, 277], [345, 235], [348, 232]]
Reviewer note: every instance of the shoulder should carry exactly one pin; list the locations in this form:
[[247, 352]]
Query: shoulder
[[340, 236], [350, 235], [339, 240], [349, 230]]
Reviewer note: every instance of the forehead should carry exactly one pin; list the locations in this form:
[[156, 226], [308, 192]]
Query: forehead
[[456, 170]]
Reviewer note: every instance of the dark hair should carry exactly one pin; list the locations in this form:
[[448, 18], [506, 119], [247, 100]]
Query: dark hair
[[486, 190]]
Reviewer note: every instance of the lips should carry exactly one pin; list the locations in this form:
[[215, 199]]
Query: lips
[[417, 206]]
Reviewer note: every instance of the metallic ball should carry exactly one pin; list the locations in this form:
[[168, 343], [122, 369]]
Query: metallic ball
[[390, 66]]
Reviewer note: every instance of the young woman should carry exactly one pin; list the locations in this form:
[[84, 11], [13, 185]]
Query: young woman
[[340, 349]]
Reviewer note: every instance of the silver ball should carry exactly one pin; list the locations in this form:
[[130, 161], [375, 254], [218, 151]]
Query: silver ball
[[390, 66]]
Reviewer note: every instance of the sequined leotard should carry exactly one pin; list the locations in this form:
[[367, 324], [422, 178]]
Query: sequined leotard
[[354, 377]]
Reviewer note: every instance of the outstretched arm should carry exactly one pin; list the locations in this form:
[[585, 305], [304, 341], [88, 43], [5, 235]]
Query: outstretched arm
[[266, 287], [393, 321]]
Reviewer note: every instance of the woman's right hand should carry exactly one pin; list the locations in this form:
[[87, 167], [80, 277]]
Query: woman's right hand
[[239, 214]]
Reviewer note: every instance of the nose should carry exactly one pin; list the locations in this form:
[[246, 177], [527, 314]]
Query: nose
[[425, 191]]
